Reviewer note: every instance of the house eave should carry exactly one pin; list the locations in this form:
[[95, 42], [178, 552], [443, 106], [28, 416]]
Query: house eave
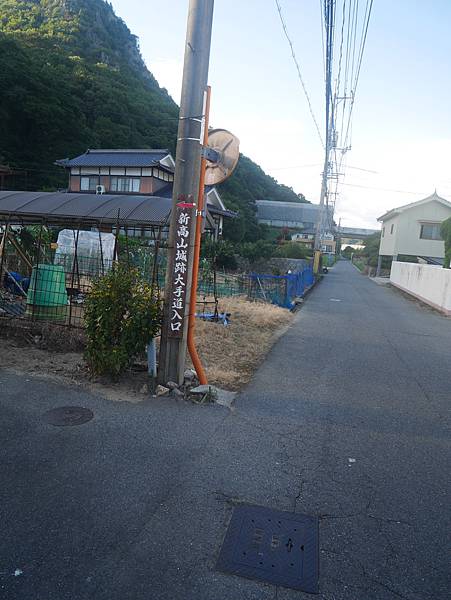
[[388, 215]]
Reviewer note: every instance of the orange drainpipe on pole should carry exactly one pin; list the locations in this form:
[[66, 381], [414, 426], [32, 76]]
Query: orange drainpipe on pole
[[193, 297]]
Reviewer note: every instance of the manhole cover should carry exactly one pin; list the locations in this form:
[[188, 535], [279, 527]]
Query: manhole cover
[[66, 416], [273, 546]]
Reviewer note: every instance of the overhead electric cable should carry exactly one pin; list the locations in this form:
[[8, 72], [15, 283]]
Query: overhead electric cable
[[322, 38], [359, 65], [379, 189], [337, 84], [279, 8]]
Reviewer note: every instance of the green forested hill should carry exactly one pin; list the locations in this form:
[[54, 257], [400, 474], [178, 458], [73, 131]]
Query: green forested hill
[[72, 78]]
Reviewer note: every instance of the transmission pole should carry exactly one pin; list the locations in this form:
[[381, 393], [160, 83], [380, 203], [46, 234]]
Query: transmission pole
[[329, 16], [185, 193]]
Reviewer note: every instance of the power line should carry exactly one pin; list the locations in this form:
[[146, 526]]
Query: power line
[[279, 8], [329, 21], [352, 23], [310, 165], [322, 38], [359, 65], [337, 84], [379, 189]]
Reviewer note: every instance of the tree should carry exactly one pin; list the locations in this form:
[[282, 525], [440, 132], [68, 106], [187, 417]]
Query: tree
[[445, 232], [220, 254], [371, 249], [293, 250], [348, 251], [254, 251]]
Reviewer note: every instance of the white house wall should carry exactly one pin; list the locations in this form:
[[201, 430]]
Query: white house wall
[[389, 240], [406, 235]]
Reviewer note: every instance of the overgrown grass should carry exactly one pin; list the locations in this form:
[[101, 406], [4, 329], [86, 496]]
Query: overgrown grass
[[231, 354], [360, 263]]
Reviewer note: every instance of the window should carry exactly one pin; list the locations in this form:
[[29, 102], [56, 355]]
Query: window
[[430, 231], [160, 174], [391, 228], [383, 231], [125, 184], [88, 184]]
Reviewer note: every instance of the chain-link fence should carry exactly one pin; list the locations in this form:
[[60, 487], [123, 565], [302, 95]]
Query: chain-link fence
[[283, 290], [49, 281]]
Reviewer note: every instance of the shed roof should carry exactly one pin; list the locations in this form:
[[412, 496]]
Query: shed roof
[[58, 207], [271, 210], [116, 158]]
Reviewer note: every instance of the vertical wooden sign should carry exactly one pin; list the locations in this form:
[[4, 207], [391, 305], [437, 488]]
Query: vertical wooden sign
[[179, 274]]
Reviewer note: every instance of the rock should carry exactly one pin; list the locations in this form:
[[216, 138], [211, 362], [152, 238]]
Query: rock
[[203, 393], [201, 389], [160, 390], [172, 385], [189, 375], [176, 393], [210, 393], [144, 389], [225, 398]]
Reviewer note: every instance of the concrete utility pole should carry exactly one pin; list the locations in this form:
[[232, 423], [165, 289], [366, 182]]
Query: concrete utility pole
[[329, 22], [185, 192]]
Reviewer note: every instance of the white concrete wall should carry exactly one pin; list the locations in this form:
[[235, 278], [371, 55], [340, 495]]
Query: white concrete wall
[[429, 283]]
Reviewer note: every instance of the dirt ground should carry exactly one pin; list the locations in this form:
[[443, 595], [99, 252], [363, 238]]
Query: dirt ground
[[230, 354]]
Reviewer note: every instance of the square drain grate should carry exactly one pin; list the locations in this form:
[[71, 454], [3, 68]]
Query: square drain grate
[[277, 547]]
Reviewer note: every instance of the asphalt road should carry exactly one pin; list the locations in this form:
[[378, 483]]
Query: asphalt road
[[134, 505]]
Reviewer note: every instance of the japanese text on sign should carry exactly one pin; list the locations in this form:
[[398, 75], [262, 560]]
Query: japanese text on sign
[[180, 271]]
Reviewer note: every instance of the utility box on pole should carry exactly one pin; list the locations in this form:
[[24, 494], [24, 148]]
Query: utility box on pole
[[185, 192]]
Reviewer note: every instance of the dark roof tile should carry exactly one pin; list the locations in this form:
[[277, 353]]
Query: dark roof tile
[[116, 158]]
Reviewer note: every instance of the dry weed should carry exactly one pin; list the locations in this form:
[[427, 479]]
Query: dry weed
[[231, 354]]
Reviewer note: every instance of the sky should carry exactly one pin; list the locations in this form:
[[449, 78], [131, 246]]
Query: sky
[[401, 142]]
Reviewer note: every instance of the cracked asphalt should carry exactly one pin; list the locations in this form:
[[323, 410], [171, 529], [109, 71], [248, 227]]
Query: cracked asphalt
[[346, 419]]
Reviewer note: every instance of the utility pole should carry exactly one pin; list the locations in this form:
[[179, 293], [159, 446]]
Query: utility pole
[[329, 17], [185, 193]]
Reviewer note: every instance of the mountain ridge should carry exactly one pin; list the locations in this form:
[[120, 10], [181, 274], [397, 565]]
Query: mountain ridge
[[73, 78]]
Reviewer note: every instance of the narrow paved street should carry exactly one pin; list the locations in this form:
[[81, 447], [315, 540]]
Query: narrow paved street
[[346, 419]]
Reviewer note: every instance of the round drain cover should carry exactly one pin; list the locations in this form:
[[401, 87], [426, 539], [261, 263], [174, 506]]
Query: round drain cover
[[66, 416]]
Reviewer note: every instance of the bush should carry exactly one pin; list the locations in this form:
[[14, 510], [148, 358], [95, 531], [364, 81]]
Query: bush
[[348, 251], [121, 316], [293, 250], [254, 251], [221, 254]]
